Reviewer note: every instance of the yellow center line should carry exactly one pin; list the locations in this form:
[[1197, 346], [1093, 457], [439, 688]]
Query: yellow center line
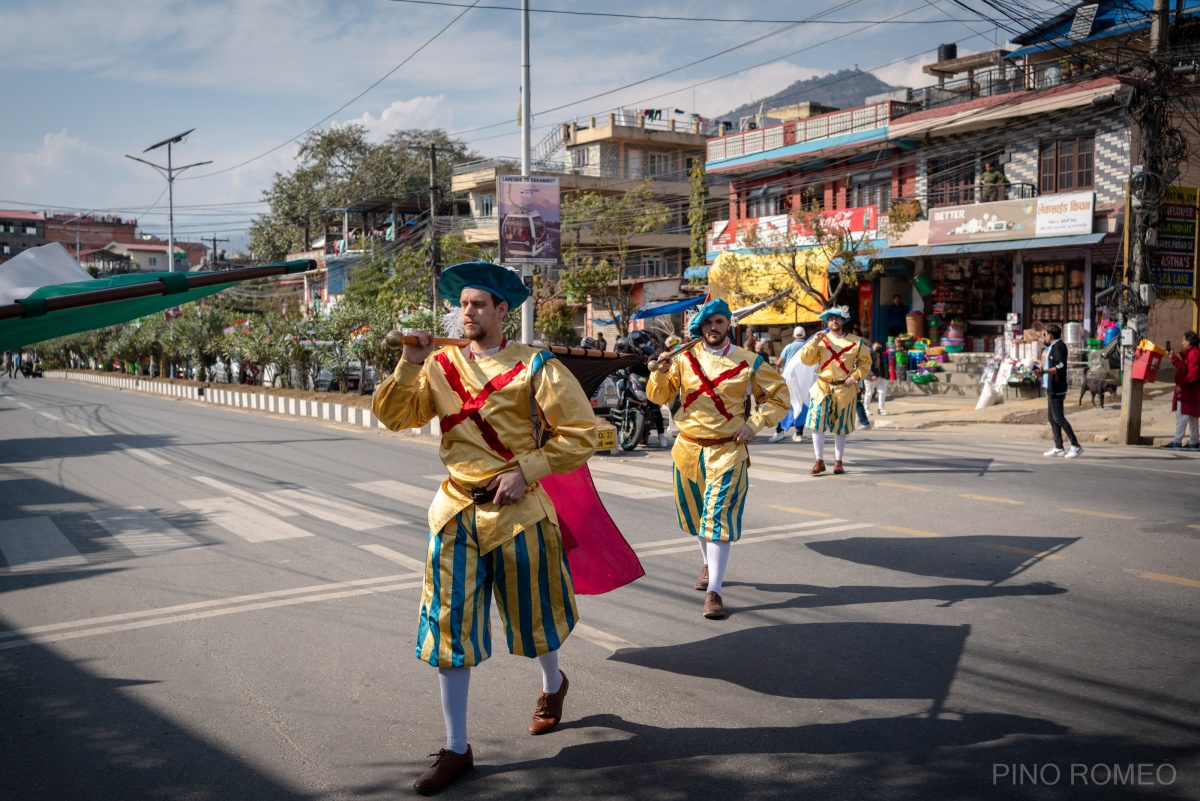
[[905, 486], [801, 511], [1186, 582], [1024, 551], [914, 531], [993, 500], [649, 482], [1090, 513]]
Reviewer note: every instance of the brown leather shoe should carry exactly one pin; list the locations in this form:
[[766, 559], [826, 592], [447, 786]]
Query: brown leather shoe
[[548, 711], [817, 469], [702, 582], [837, 468], [714, 607], [444, 770]]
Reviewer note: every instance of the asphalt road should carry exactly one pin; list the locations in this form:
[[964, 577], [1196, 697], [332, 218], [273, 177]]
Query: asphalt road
[[204, 603]]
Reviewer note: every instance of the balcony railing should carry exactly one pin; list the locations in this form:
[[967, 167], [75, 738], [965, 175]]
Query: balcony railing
[[812, 129], [564, 168]]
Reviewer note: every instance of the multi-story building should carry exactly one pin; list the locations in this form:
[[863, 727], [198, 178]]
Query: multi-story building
[[83, 234], [1050, 116], [19, 231], [150, 255], [608, 155]]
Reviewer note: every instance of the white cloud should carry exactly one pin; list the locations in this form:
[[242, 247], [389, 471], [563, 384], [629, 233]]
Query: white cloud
[[419, 112]]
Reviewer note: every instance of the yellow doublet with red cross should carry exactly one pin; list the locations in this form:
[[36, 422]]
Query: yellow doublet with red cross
[[486, 406], [714, 388]]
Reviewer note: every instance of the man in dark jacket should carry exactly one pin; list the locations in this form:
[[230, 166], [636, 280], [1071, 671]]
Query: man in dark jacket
[[1053, 373]]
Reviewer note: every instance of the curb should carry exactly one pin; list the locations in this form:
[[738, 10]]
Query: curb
[[255, 401]]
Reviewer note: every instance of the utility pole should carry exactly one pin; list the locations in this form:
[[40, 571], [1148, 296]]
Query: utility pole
[[169, 172], [214, 241], [435, 255], [1148, 188], [526, 132]]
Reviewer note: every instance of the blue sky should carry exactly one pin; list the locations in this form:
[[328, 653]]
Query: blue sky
[[87, 83]]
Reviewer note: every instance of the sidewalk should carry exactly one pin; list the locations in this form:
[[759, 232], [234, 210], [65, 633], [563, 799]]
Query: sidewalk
[[1026, 419]]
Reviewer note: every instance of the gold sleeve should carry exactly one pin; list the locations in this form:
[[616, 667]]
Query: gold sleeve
[[810, 353], [771, 393], [663, 387], [403, 399], [862, 362], [569, 419]]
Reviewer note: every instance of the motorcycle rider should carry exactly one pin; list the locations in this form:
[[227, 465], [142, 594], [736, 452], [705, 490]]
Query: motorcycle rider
[[640, 343]]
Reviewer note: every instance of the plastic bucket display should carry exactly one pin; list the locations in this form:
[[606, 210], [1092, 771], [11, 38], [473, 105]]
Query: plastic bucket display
[[915, 322], [924, 284], [1073, 333]]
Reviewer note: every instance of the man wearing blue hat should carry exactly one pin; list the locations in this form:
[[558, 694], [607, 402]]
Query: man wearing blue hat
[[510, 415], [711, 454], [841, 363]]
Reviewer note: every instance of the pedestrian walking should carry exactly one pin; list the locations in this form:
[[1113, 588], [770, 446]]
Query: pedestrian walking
[[712, 450], [8, 364], [877, 378], [19, 364], [1185, 401], [1053, 373], [792, 420], [491, 522], [601, 342], [841, 362]]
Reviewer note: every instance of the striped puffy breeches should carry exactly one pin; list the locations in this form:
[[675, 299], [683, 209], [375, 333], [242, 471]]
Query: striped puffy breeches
[[827, 418], [713, 509], [529, 576]]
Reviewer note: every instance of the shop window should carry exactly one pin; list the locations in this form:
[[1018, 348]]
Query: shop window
[[951, 181], [977, 290], [1057, 291], [872, 189], [1067, 165]]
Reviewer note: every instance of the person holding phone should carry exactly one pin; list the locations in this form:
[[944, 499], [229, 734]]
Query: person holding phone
[[1185, 401], [1053, 373]]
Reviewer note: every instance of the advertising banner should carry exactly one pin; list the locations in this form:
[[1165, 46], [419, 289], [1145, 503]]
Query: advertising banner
[[530, 219], [774, 231], [1065, 215], [982, 222], [1175, 274]]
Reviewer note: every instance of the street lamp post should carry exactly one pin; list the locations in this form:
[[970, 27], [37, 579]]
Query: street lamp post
[[169, 172]]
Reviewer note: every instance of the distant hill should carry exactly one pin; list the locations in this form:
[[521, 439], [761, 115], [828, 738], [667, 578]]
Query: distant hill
[[843, 89]]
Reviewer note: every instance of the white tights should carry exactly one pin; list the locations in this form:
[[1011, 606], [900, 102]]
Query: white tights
[[716, 556], [454, 684], [839, 445]]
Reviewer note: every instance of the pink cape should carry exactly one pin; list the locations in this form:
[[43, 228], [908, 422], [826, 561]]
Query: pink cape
[[600, 558]]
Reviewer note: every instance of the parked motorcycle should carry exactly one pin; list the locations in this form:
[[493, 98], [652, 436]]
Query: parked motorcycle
[[634, 414]]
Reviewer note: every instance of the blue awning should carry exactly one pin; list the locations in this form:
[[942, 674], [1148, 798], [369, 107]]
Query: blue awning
[[700, 271], [668, 308], [916, 251], [861, 263]]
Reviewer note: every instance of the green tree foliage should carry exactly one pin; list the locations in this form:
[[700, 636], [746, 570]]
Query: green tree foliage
[[338, 166], [698, 214], [556, 321], [598, 268]]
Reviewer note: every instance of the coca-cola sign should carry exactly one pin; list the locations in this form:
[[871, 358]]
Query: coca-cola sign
[[786, 230]]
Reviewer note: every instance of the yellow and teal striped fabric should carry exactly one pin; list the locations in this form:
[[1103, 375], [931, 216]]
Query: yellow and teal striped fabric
[[827, 418], [713, 510], [532, 585]]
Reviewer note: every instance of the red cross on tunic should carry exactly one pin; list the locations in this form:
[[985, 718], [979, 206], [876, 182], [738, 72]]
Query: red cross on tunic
[[472, 404], [708, 387], [837, 355]]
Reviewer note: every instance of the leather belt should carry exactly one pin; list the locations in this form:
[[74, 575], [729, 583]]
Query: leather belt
[[706, 443], [477, 495]]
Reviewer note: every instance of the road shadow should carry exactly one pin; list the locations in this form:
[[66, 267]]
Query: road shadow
[[812, 596], [37, 449], [991, 558], [69, 734]]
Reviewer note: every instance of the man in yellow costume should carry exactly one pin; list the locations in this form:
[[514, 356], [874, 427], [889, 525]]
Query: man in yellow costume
[[712, 454], [841, 361], [510, 415]]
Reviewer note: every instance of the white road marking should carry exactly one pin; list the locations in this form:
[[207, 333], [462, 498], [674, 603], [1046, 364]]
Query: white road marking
[[404, 493], [24, 405], [609, 642], [787, 526], [183, 618], [188, 607], [84, 429], [246, 495], [35, 543], [47, 414], [252, 525], [665, 474], [143, 454], [416, 565], [352, 516], [633, 491], [691, 546], [142, 531]]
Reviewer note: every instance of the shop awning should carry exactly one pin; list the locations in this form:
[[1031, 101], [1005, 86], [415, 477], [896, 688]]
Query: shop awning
[[668, 308], [700, 271], [917, 251], [860, 262]]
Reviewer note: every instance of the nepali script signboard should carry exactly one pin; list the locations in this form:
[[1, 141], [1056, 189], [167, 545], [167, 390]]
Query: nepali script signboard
[[1174, 275], [530, 219]]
